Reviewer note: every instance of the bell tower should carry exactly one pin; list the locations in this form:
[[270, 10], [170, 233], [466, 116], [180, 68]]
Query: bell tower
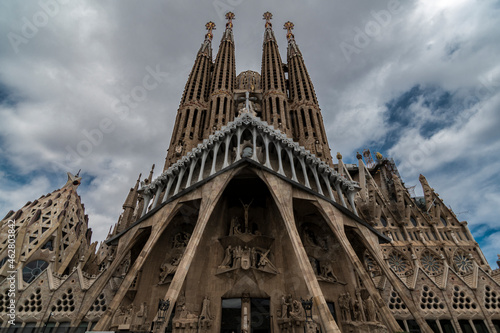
[[223, 80], [307, 121], [190, 123], [273, 82]]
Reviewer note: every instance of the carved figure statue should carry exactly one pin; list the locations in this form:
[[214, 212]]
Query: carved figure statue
[[246, 208], [264, 260], [181, 239], [311, 327], [226, 263], [371, 314], [168, 268], [327, 271], [357, 311], [314, 265], [186, 314], [284, 307], [297, 312], [205, 314], [237, 253], [236, 226], [345, 302], [253, 257]]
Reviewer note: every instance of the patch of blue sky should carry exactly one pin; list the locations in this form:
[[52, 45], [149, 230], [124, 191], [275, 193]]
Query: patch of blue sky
[[7, 96]]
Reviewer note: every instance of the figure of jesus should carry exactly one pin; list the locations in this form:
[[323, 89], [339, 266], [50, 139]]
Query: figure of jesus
[[246, 207]]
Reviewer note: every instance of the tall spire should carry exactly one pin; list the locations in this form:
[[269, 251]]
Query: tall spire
[[273, 81], [192, 114], [129, 207], [223, 80], [307, 121]]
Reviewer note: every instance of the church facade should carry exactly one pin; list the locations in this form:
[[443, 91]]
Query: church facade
[[250, 227]]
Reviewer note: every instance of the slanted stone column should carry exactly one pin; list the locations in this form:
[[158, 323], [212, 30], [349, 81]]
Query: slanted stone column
[[211, 193], [282, 194], [166, 215]]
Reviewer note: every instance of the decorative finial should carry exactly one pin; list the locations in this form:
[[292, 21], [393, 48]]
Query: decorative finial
[[210, 26], [268, 16], [289, 27], [358, 156], [379, 156], [229, 18], [339, 156]]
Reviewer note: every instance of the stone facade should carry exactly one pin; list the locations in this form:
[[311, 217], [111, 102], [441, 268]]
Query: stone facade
[[251, 227]]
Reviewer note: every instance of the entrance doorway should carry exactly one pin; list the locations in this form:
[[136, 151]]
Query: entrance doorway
[[246, 314]]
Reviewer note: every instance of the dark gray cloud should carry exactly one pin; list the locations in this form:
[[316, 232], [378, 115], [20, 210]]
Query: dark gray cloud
[[66, 69]]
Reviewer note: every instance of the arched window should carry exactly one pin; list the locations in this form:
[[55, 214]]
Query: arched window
[[383, 221], [33, 269], [413, 221], [444, 221]]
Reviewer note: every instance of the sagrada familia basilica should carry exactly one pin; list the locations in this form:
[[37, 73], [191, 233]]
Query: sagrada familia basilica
[[250, 227]]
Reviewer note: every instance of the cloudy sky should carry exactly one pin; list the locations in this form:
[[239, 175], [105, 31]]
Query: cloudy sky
[[418, 81]]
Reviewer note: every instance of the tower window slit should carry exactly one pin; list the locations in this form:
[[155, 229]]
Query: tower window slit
[[193, 122], [322, 127], [311, 117], [186, 118], [217, 106], [304, 124], [202, 123]]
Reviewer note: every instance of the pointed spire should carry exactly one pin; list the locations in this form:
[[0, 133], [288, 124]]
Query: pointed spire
[[268, 34], [138, 182], [228, 33], [191, 121], [206, 47], [209, 26], [274, 99], [222, 82], [308, 127], [293, 49], [129, 206], [150, 178]]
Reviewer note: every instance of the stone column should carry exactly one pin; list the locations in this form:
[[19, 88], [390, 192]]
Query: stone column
[[282, 194], [211, 193], [168, 212], [337, 228]]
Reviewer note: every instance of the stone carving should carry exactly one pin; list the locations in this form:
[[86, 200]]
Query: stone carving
[[357, 311], [228, 258], [297, 311], [311, 327], [326, 272], [284, 307], [312, 240], [371, 314], [141, 316], [168, 268], [181, 239], [345, 304], [264, 261], [205, 318], [246, 208], [246, 258], [291, 309]]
